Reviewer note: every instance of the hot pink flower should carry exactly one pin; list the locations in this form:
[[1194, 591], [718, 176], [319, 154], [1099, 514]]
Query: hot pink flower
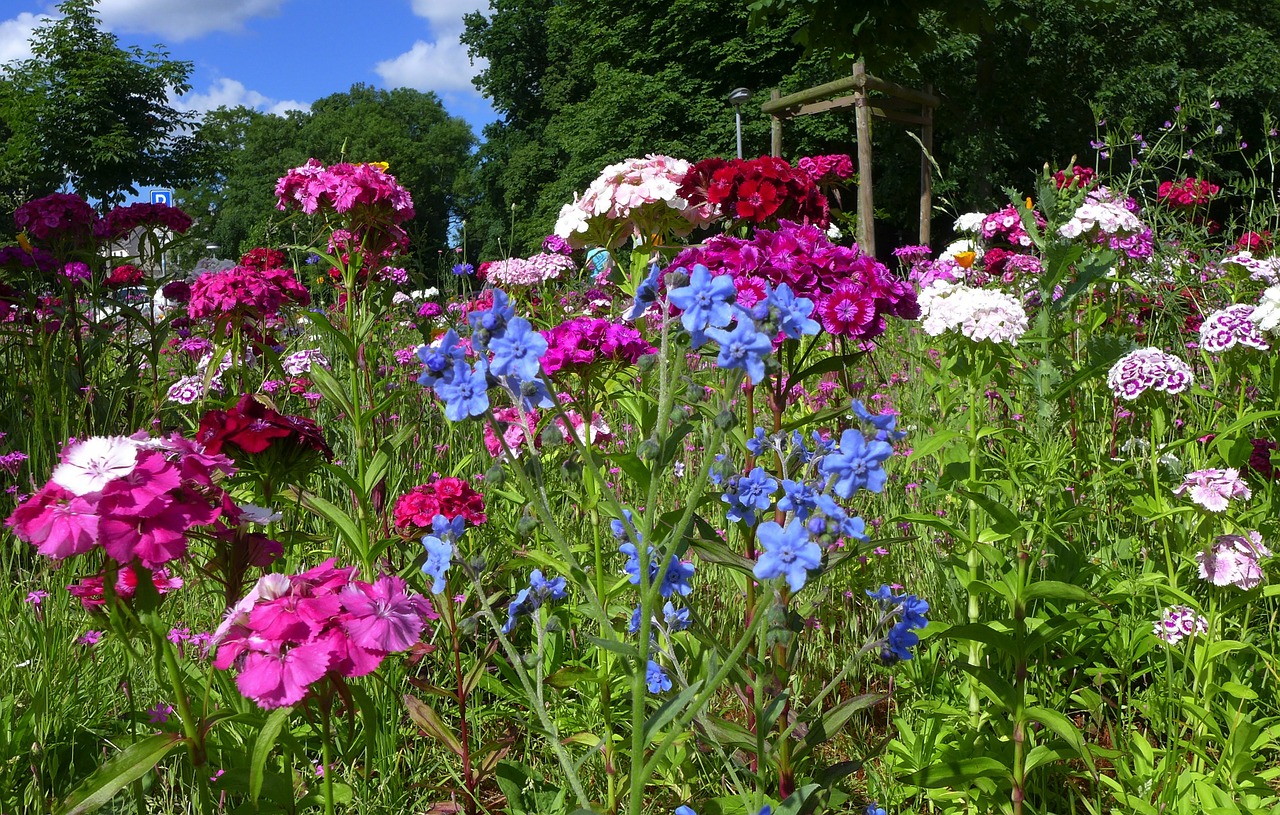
[[384, 617], [280, 676]]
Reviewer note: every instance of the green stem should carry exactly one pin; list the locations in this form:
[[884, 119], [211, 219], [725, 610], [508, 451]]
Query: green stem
[[326, 769], [973, 561]]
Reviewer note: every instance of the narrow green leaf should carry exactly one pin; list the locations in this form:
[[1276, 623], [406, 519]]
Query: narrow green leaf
[[118, 772], [958, 773], [425, 717], [262, 747], [668, 711], [1063, 728], [1056, 590], [931, 444]]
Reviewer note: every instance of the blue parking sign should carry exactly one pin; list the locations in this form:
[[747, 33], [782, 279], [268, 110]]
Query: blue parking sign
[[162, 197]]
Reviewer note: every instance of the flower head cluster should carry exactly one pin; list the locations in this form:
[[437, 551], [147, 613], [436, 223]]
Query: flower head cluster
[[1228, 327], [263, 258], [246, 292], [530, 271], [528, 600], [1213, 489], [290, 632], [787, 552], [909, 612], [581, 342], [827, 169], [439, 546], [1176, 623], [137, 498], [1267, 315], [126, 274], [764, 189], [1254, 241], [251, 428], [1005, 225], [451, 497], [1077, 177], [854, 294], [1265, 269], [19, 258], [121, 221], [978, 314], [639, 196], [300, 362], [58, 217], [1232, 560], [91, 590], [1189, 192], [1098, 217], [1148, 369], [365, 190]]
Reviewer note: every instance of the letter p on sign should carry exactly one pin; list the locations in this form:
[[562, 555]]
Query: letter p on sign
[[162, 197]]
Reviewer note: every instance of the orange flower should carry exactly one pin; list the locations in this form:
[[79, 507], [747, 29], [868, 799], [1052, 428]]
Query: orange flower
[[965, 259]]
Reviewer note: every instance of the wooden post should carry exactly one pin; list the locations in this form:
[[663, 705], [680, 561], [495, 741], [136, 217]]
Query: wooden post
[[866, 205], [775, 128], [926, 171]]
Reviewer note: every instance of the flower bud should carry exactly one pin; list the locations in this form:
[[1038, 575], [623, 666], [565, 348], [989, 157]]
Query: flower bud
[[551, 436], [646, 363], [494, 476], [526, 525], [726, 420], [648, 450], [677, 279]]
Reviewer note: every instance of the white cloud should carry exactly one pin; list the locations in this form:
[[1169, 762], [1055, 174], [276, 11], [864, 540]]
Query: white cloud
[[445, 16], [440, 66], [178, 20], [15, 36], [231, 93]]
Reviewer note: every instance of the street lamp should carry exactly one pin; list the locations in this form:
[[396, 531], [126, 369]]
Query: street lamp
[[738, 97]]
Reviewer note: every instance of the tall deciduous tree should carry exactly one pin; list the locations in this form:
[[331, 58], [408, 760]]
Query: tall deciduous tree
[[87, 113]]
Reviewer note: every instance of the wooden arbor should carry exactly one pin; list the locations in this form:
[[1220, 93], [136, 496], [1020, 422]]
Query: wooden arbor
[[902, 105]]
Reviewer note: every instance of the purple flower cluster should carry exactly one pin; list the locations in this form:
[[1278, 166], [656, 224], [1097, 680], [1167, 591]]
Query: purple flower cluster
[[59, 216], [15, 257], [854, 293], [1231, 326], [1148, 369], [1179, 622], [1232, 560], [252, 292], [583, 341], [123, 220]]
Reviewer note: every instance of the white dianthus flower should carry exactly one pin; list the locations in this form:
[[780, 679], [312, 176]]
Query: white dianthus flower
[[1267, 314], [970, 222]]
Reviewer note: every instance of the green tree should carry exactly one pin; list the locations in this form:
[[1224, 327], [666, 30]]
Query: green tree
[[86, 113], [244, 153]]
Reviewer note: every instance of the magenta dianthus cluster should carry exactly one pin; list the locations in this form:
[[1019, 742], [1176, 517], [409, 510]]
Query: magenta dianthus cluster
[[1229, 327], [249, 292], [344, 188], [526, 271], [120, 221], [854, 293], [1006, 225], [582, 341], [827, 169], [292, 631]]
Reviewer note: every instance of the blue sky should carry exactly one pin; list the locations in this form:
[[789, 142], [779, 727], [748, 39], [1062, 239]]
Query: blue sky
[[274, 55]]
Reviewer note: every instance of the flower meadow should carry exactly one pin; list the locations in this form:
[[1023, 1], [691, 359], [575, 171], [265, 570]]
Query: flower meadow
[[699, 509]]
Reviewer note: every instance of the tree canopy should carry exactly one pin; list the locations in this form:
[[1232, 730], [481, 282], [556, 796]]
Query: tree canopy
[[85, 113]]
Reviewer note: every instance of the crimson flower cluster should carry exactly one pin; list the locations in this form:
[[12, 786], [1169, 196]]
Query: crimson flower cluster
[[827, 169], [757, 190], [1255, 242], [252, 428], [60, 216], [291, 632], [91, 592], [854, 293], [450, 497], [1189, 192], [137, 498], [583, 341], [126, 274], [1078, 177], [120, 221], [245, 292], [262, 259]]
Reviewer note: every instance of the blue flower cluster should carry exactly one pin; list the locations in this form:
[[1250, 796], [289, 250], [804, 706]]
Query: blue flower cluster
[[675, 581], [439, 546], [747, 493], [517, 350], [910, 612], [531, 598], [675, 619]]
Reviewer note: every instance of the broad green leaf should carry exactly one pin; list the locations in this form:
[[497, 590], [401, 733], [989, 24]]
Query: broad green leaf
[[931, 444], [425, 717], [958, 773], [1056, 590], [118, 772], [1062, 727]]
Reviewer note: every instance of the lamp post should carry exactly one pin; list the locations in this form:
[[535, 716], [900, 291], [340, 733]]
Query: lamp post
[[737, 97]]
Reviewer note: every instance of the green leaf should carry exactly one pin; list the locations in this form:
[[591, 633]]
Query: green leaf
[[335, 516], [1056, 590], [1006, 522], [983, 633], [958, 773], [262, 749], [668, 711], [932, 444], [118, 772], [1062, 727], [425, 717], [826, 726]]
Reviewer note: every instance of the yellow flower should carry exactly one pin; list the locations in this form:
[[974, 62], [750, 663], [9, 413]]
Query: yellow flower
[[24, 241], [381, 165], [1028, 202]]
